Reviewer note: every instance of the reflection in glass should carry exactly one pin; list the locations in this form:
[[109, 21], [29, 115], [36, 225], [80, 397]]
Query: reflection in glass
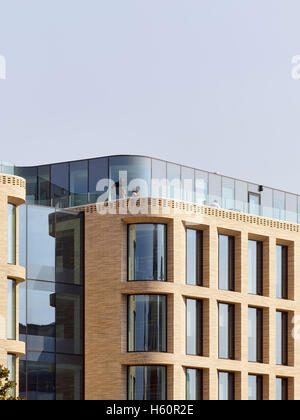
[[41, 245], [98, 171], [69, 378], [147, 383], [194, 327], [79, 182], [255, 388], [194, 257], [40, 371], [147, 246], [60, 184], [11, 234], [226, 331], [147, 323], [137, 171], [22, 312], [281, 272], [282, 389], [12, 367], [44, 197], [69, 246], [255, 335], [194, 384], [11, 309], [282, 338], [226, 262], [255, 267], [30, 174], [54, 318], [291, 207], [226, 386]]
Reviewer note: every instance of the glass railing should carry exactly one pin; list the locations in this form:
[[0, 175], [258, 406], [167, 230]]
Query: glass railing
[[7, 168], [77, 200]]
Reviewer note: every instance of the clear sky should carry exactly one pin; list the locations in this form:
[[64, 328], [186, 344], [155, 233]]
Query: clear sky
[[206, 83]]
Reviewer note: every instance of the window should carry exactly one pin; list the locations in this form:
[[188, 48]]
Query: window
[[78, 182], [44, 185], [255, 267], [226, 386], [147, 323], [60, 184], [194, 327], [174, 180], [226, 331], [255, 388], [11, 309], [254, 203], [194, 384], [133, 169], [12, 367], [282, 389], [226, 262], [147, 383], [98, 171], [282, 272], [147, 252], [282, 338], [194, 257], [255, 335], [11, 234]]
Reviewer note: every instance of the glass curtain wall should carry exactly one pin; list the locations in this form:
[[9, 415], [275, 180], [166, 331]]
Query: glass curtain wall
[[51, 304], [75, 183]]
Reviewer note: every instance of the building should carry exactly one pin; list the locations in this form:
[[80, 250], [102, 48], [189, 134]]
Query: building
[[158, 282]]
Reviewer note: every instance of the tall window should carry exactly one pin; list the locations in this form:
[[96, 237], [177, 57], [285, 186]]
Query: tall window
[[147, 323], [11, 234], [282, 272], [194, 384], [255, 335], [226, 331], [194, 327], [255, 388], [11, 309], [226, 386], [282, 389], [147, 252], [281, 338], [226, 262], [255, 267], [12, 367], [194, 257], [147, 383]]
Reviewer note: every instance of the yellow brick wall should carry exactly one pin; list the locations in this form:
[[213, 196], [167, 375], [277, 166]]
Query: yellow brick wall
[[106, 290]]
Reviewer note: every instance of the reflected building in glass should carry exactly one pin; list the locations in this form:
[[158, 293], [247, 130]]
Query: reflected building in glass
[[188, 293]]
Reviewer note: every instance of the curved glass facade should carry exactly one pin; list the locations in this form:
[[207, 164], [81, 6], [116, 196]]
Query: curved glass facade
[[147, 383], [82, 182], [147, 252], [147, 323], [51, 304]]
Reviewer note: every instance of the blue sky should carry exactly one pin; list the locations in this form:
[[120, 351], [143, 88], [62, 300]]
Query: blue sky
[[206, 83]]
